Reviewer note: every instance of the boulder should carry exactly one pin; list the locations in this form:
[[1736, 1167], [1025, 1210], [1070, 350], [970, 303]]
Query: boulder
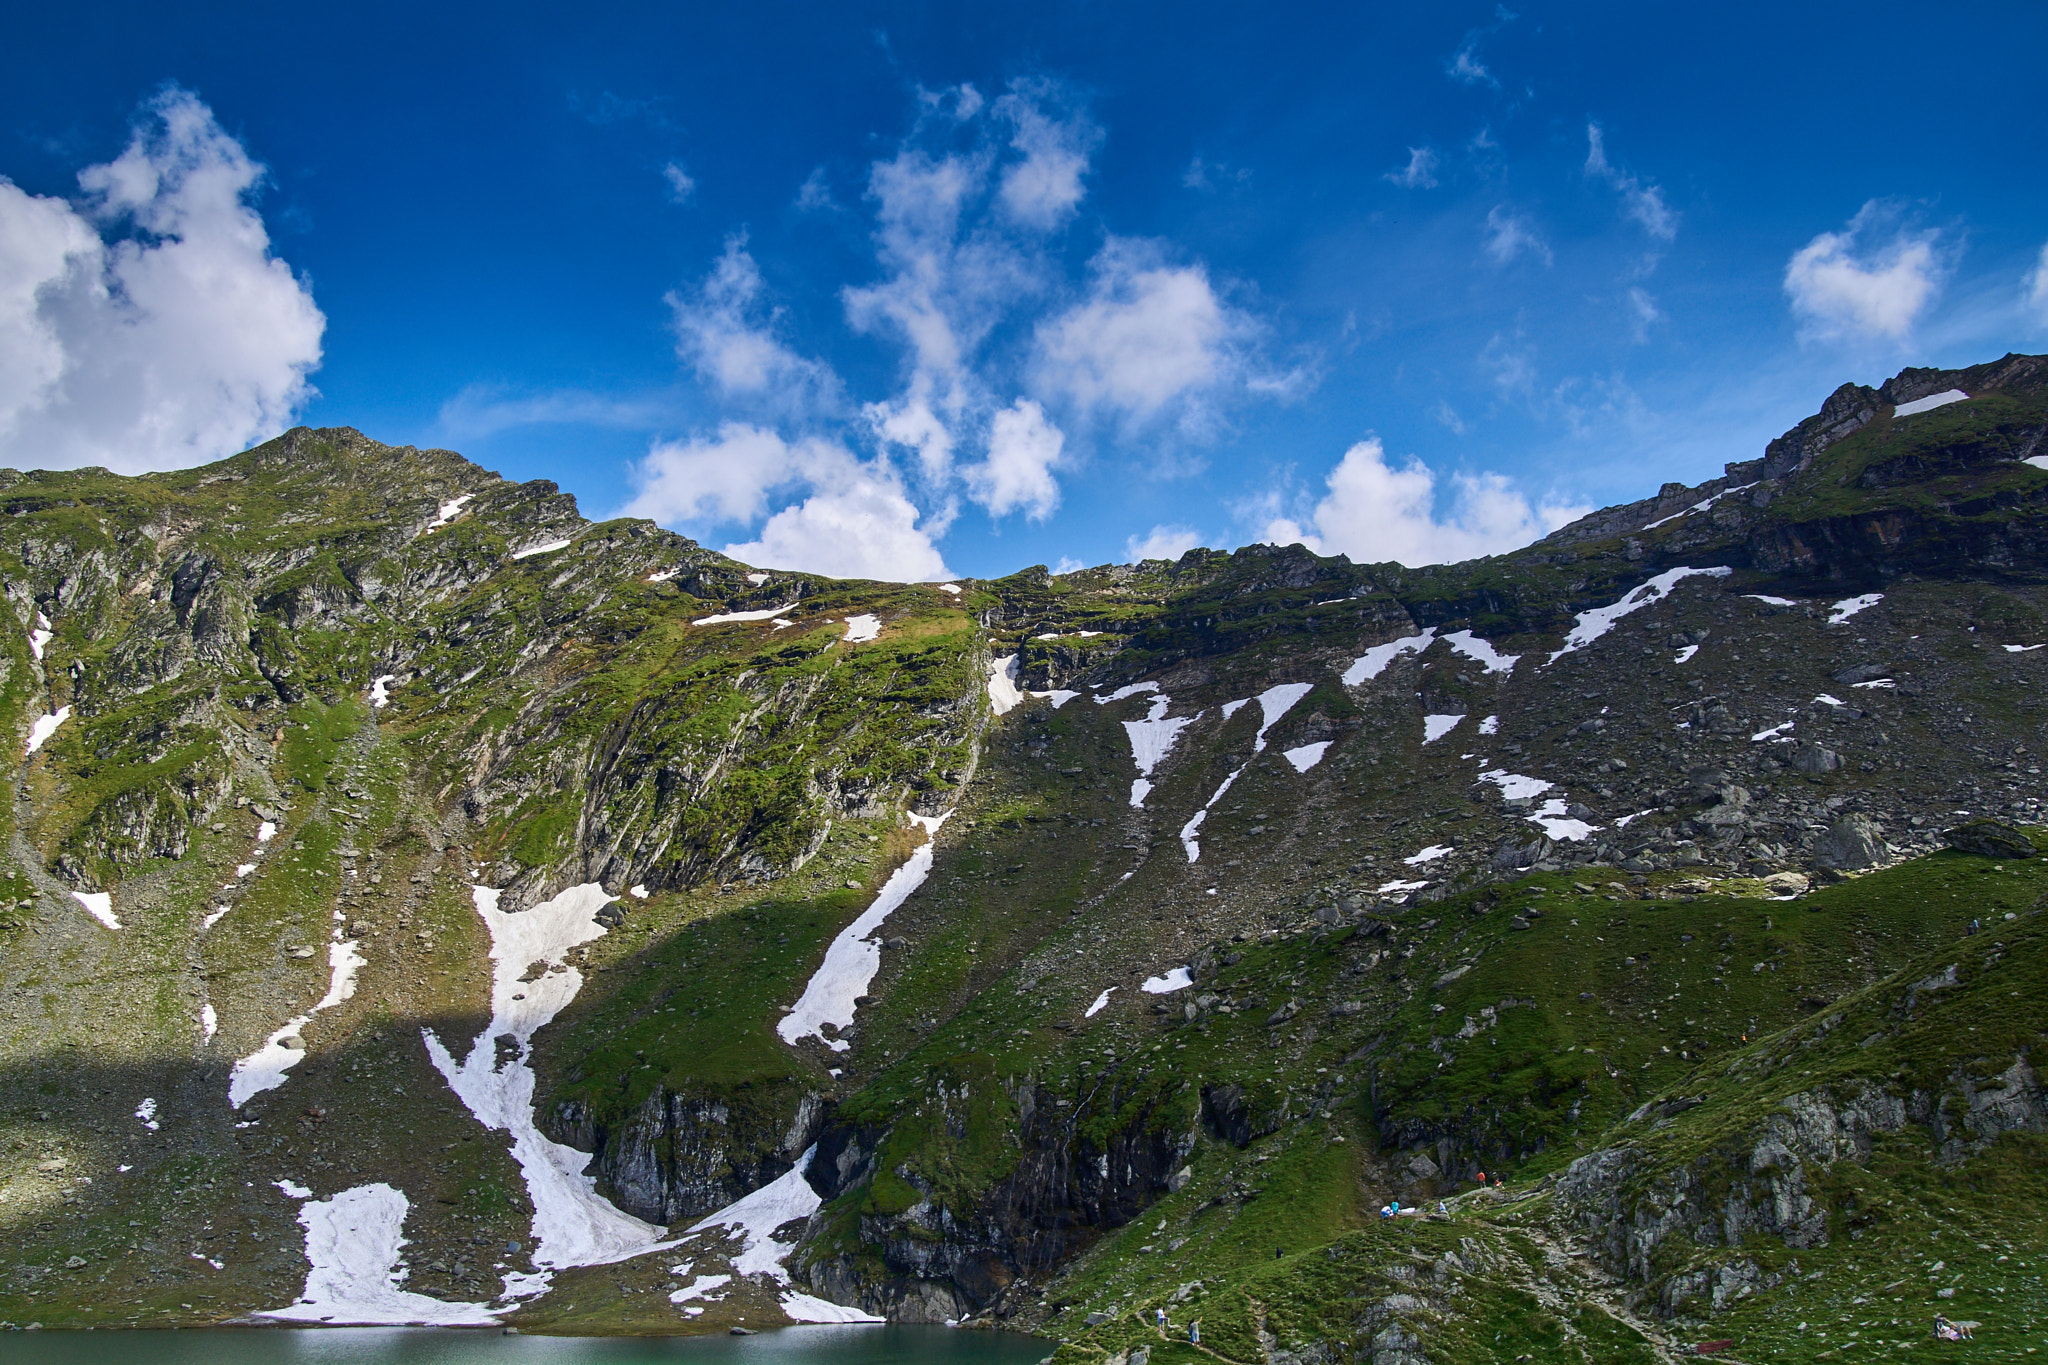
[[1852, 842], [1862, 673], [1787, 883], [1814, 759], [1989, 839]]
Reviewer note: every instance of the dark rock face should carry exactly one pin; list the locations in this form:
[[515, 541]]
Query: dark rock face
[[679, 1157], [1989, 839], [1844, 414]]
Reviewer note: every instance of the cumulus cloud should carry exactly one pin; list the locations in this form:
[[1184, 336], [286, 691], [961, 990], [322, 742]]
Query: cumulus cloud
[[1023, 450], [1161, 542], [1147, 333], [2037, 289], [1510, 235], [1641, 201], [680, 184], [1419, 173], [1872, 279], [1375, 512], [853, 519], [149, 326], [725, 331]]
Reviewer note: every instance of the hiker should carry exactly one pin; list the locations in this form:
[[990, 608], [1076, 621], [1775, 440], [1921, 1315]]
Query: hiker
[[1443, 1208], [1944, 1330], [1395, 1205], [1386, 1211], [1195, 1333], [1162, 1321], [1482, 1180]]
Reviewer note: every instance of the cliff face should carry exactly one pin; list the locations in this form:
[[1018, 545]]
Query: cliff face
[[1247, 893]]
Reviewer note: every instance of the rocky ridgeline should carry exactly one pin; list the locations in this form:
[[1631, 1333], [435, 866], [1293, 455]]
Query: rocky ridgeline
[[1496, 866]]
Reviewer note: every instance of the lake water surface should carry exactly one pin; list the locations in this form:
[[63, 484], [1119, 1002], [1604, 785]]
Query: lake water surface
[[820, 1345]]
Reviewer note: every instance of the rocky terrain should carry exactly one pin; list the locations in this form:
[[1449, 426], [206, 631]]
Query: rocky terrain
[[424, 905]]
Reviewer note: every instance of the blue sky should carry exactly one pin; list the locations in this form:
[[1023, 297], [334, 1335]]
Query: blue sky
[[918, 290]]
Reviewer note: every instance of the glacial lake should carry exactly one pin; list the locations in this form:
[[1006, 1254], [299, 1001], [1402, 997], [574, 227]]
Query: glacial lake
[[816, 1345]]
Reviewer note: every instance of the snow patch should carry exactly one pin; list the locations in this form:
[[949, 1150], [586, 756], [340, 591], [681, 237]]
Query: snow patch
[[1773, 601], [1623, 822], [1876, 683], [545, 548], [699, 1287], [1231, 708], [1685, 654], [855, 955], [146, 1111], [1776, 732], [1127, 690], [1597, 621], [1514, 786], [862, 628], [638, 891], [1395, 887], [1490, 726], [953, 588], [1274, 703], [1428, 855], [449, 510], [209, 1022], [1849, 606], [1307, 756], [1435, 728], [1179, 979], [215, 916], [1059, 696], [573, 1225], [1151, 740], [757, 579], [352, 1242], [1929, 403], [755, 1218], [380, 689], [265, 1068], [1100, 1001], [2023, 649], [1003, 696], [45, 726], [1550, 817], [801, 1307], [1374, 661], [40, 637], [765, 614], [1700, 506], [663, 576], [265, 832], [100, 905], [293, 1189], [1472, 647]]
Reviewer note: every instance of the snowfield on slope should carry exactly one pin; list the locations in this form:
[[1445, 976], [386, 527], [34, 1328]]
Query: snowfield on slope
[[573, 1225], [352, 1245], [1595, 622], [1274, 703], [755, 1218], [854, 957]]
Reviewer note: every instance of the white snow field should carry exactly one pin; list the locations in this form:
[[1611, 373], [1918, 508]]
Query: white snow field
[[1152, 740], [1490, 726], [1849, 606], [1699, 506], [545, 548], [1307, 755], [765, 614], [2023, 649], [862, 628], [572, 1224], [1474, 648], [1100, 1001], [209, 1021], [1775, 734], [449, 510], [1551, 818], [1685, 654], [100, 905], [1768, 600], [380, 690], [854, 957], [953, 588], [1374, 661], [1274, 703], [352, 1243], [1179, 979], [40, 636], [1514, 786], [264, 1069], [755, 1218], [662, 575], [697, 1289], [1597, 621], [757, 579], [1003, 696], [1435, 728], [1428, 855], [45, 726], [1396, 887], [1929, 403]]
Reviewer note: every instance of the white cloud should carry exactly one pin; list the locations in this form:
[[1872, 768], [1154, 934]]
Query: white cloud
[[1043, 189], [726, 334], [1643, 310], [1419, 173], [1448, 415], [1851, 283], [680, 185], [182, 343], [815, 193], [1509, 235], [1148, 333], [1161, 542], [2037, 288], [481, 410], [1642, 202], [1068, 564], [1023, 450], [853, 521], [1374, 512], [1465, 67]]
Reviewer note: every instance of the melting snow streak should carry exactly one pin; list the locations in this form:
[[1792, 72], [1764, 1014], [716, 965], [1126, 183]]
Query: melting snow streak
[[1596, 622]]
